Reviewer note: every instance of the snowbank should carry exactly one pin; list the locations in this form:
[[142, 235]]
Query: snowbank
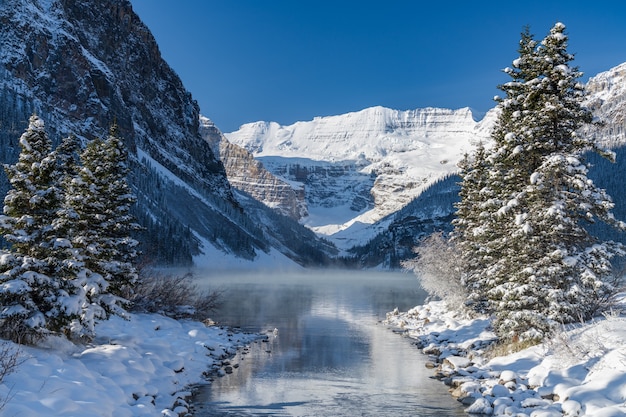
[[140, 367], [579, 372]]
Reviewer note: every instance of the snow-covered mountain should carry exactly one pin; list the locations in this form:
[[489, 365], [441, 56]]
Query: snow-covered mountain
[[353, 178], [359, 170], [607, 98], [83, 64], [359, 167]]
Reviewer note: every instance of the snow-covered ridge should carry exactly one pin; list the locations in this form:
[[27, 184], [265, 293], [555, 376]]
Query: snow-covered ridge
[[371, 134]]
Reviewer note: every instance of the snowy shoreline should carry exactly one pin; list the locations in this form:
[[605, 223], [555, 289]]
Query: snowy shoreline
[[581, 371], [141, 367]]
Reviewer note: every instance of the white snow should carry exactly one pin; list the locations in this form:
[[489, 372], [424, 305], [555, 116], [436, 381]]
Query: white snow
[[140, 367], [165, 173], [217, 260], [580, 371], [98, 64], [347, 228]]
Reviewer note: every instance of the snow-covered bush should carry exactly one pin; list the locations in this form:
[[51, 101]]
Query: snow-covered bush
[[10, 359], [438, 267]]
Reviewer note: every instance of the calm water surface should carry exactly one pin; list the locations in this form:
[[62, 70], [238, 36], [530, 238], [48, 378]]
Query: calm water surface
[[330, 356]]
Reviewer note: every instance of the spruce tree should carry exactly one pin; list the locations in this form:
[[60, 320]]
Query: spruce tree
[[470, 233], [490, 180], [65, 157], [568, 268], [33, 298], [540, 266], [98, 207]]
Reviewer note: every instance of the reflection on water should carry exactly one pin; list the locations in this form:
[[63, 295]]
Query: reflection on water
[[330, 357]]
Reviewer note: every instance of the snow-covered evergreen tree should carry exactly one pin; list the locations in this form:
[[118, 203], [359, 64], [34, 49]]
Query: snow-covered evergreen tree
[[471, 234], [34, 299], [98, 203], [539, 266], [67, 220], [490, 180], [67, 159]]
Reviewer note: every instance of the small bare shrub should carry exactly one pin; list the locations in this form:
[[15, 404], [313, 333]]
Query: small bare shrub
[[10, 359], [574, 343], [615, 287], [504, 348], [438, 267], [16, 330], [176, 296]]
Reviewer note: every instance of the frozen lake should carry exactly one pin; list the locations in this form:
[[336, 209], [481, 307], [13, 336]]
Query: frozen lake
[[330, 356]]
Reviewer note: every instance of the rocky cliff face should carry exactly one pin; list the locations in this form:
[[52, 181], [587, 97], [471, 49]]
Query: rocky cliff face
[[82, 64], [250, 176], [326, 184], [607, 98]]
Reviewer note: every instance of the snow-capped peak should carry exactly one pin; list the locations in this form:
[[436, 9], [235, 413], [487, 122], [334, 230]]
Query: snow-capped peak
[[371, 133]]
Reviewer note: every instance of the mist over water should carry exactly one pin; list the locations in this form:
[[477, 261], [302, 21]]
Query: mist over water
[[331, 355]]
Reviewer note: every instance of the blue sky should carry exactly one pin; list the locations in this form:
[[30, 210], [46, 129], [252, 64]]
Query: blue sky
[[290, 60]]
